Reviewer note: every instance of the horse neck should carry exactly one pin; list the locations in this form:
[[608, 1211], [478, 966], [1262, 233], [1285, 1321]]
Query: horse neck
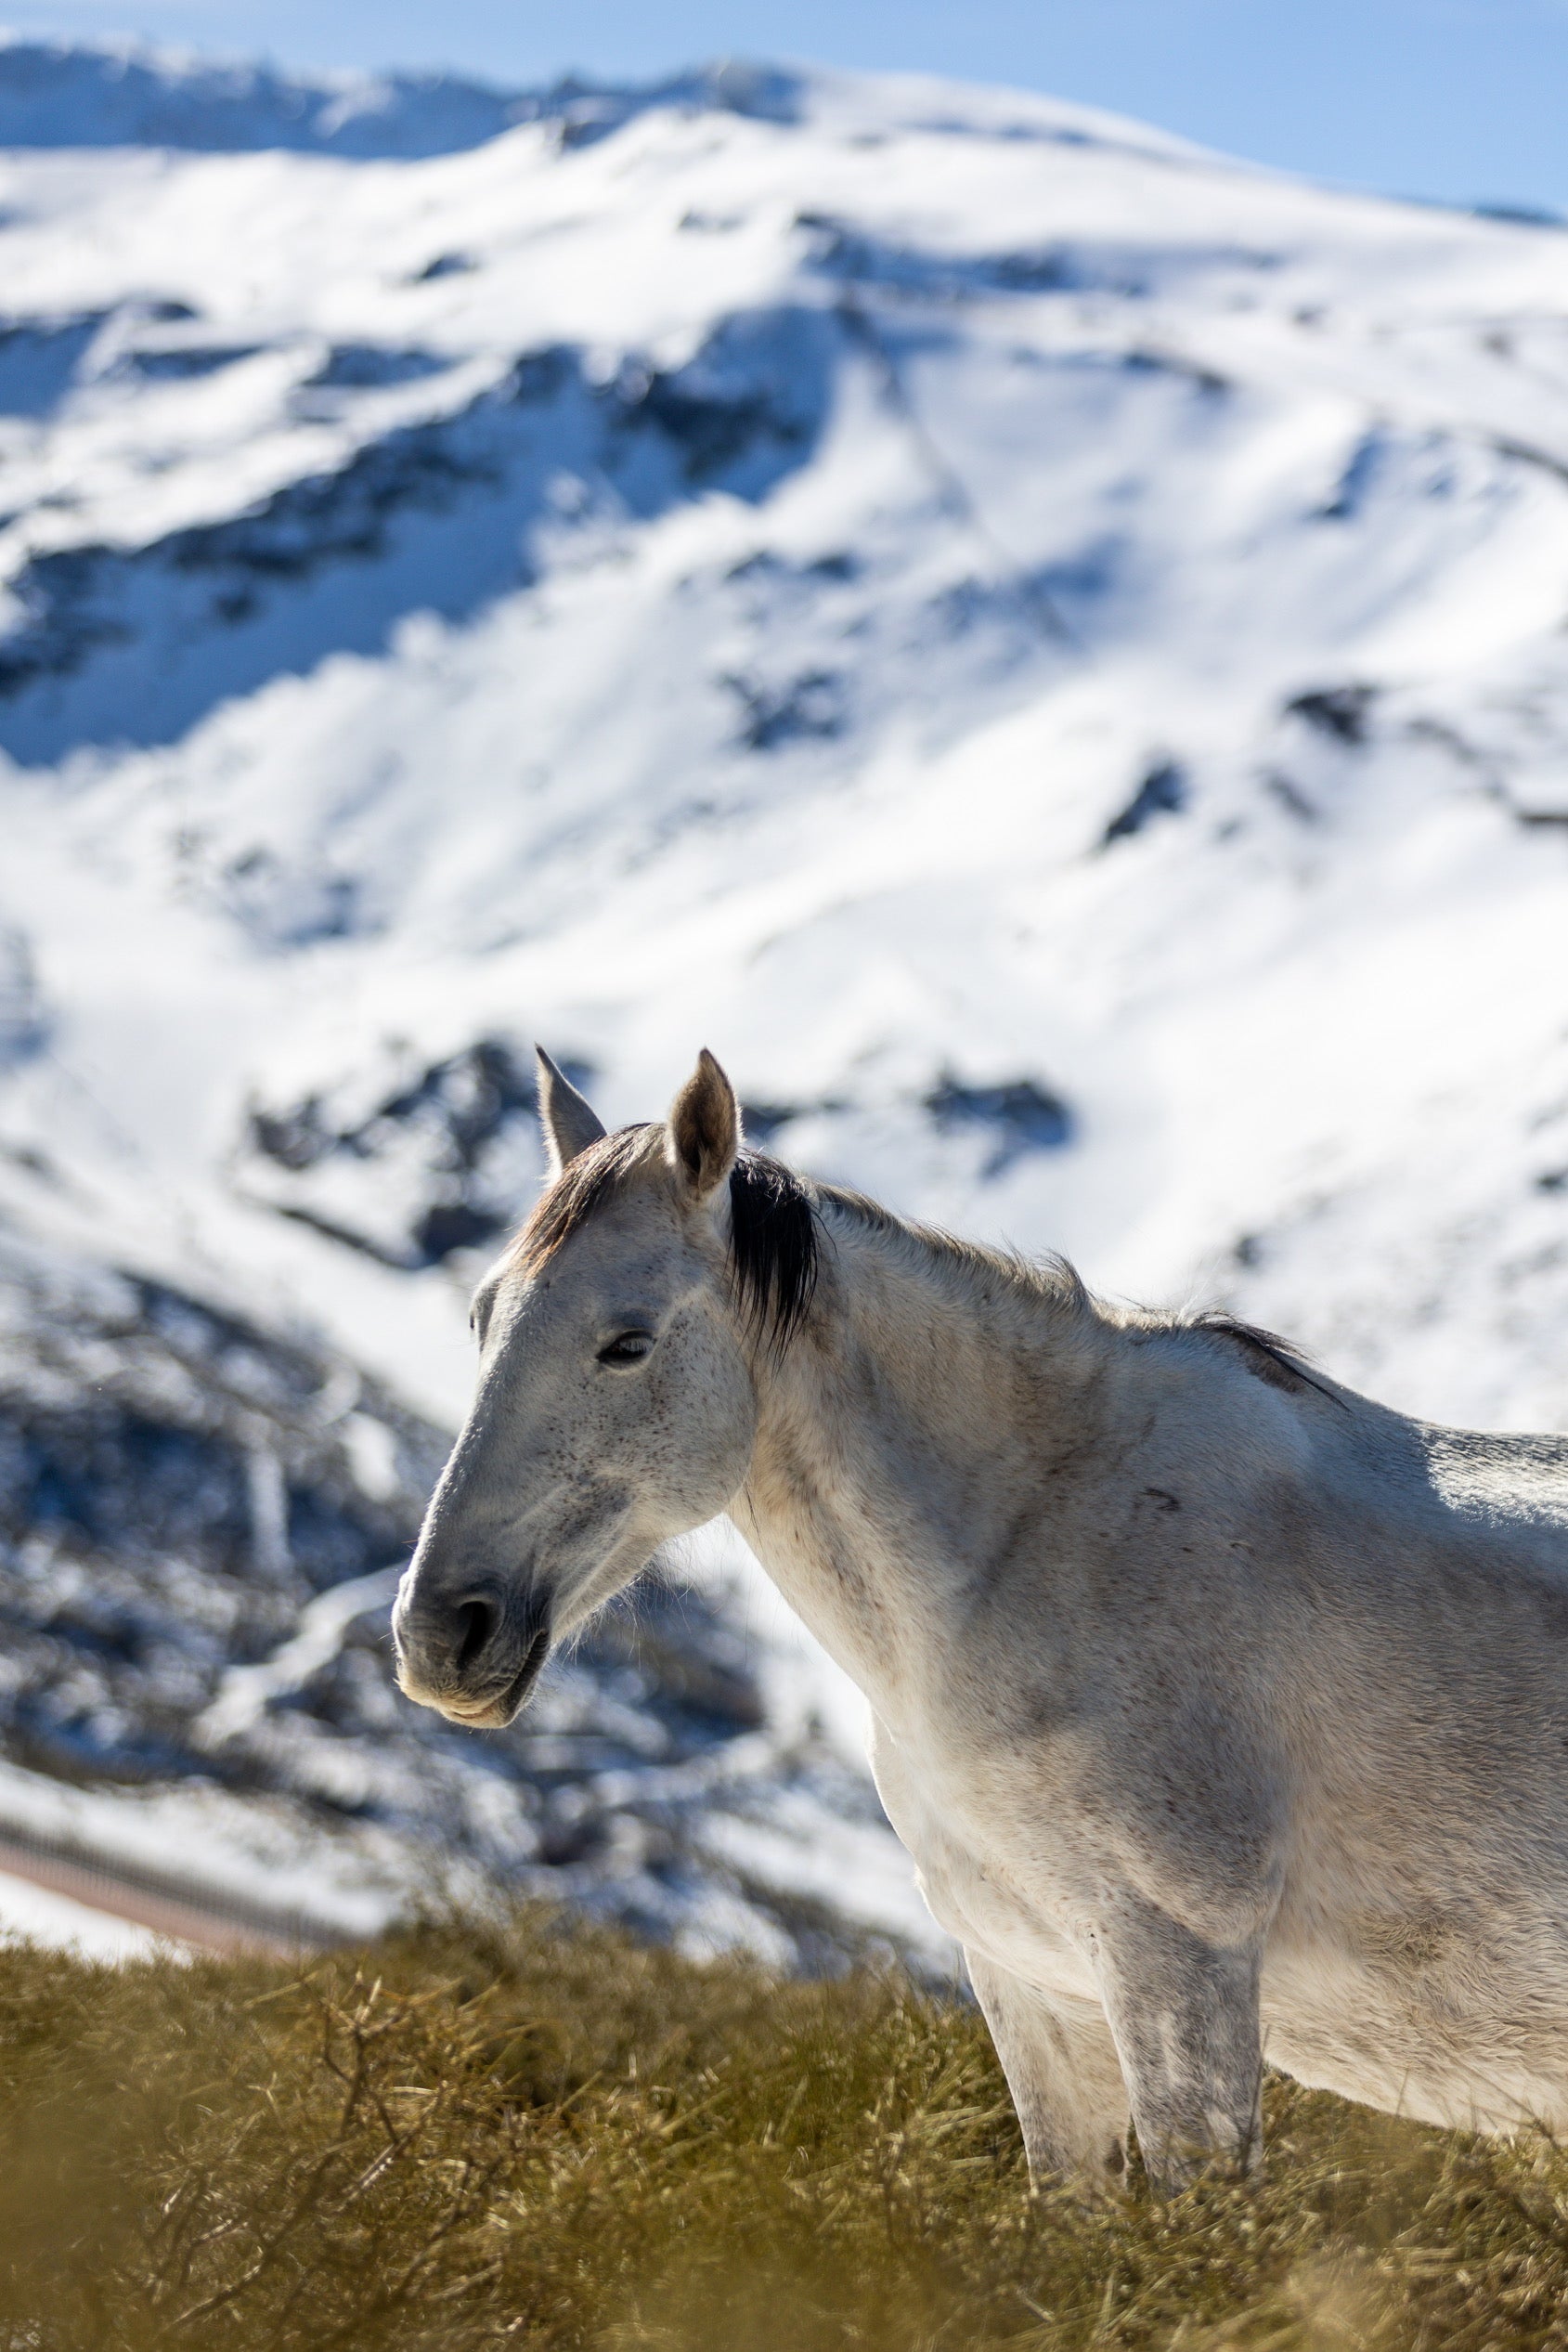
[[898, 1437]]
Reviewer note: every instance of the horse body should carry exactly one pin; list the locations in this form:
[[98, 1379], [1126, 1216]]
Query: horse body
[[1222, 1711], [1216, 1638]]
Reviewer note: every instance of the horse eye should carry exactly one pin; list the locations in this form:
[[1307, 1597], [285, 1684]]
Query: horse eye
[[631, 1348]]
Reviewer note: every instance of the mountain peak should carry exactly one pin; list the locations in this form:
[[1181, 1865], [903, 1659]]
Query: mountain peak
[[69, 93]]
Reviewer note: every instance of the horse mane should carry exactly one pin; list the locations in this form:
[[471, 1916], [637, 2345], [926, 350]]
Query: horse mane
[[776, 1245], [1053, 1282], [1277, 1360], [1047, 1280], [775, 1251], [775, 1235]]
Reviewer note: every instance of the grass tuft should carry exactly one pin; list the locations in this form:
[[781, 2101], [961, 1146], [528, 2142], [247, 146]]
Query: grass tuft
[[555, 2139]]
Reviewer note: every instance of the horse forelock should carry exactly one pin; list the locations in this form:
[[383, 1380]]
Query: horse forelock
[[583, 1186], [774, 1244]]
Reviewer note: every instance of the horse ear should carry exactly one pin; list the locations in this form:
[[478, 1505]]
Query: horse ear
[[705, 1130], [570, 1125]]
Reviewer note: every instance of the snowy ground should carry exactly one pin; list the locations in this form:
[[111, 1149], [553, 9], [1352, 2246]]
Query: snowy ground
[[1043, 646]]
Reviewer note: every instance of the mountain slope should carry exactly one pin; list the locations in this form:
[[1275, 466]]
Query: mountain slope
[[1041, 645]]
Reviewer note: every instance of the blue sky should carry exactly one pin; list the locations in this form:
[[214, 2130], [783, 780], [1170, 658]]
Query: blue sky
[[1457, 100]]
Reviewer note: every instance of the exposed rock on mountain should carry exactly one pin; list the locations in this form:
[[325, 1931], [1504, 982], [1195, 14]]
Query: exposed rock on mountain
[[455, 1146]]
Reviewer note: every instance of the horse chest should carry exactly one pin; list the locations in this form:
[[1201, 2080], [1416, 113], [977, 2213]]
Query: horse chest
[[982, 1872]]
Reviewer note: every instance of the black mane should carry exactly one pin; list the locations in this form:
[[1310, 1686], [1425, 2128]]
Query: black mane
[[1271, 1358], [776, 1244]]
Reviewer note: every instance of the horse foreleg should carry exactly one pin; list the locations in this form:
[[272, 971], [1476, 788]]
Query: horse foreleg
[[1184, 2015], [1063, 2073]]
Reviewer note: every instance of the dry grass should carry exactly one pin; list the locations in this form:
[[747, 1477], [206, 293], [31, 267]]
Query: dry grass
[[554, 2140]]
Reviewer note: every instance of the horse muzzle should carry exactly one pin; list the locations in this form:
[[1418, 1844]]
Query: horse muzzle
[[474, 1659]]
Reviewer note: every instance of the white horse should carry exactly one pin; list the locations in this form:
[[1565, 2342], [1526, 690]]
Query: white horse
[[1222, 1711]]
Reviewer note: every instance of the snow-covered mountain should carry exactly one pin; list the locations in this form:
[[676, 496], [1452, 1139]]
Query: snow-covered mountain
[[1043, 646]]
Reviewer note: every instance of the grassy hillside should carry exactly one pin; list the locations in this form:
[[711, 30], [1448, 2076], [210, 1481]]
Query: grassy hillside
[[556, 2140]]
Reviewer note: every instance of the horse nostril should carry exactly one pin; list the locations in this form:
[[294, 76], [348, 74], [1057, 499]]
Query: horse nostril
[[478, 1621]]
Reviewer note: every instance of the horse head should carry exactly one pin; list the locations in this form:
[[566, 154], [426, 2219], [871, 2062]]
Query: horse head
[[616, 1405]]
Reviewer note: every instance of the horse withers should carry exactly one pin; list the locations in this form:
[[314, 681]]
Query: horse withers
[[1222, 1711]]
